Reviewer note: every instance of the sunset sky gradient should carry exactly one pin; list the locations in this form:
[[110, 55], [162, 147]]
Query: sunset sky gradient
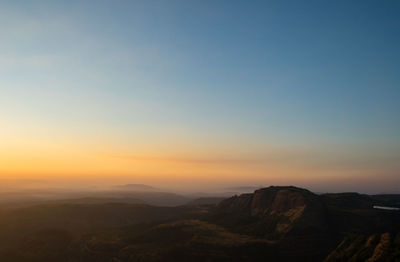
[[199, 94]]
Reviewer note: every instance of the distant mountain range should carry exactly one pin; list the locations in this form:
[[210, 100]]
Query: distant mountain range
[[137, 187], [271, 224]]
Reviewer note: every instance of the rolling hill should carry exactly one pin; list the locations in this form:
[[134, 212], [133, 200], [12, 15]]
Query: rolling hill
[[271, 224]]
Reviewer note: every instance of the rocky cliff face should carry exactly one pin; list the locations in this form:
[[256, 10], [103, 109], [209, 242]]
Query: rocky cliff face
[[378, 247], [280, 209], [277, 201], [268, 200]]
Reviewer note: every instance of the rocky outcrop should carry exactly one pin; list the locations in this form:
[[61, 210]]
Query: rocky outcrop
[[378, 247], [271, 200], [277, 201], [279, 208]]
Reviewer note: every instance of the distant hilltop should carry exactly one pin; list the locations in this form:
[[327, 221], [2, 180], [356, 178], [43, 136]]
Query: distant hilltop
[[137, 187]]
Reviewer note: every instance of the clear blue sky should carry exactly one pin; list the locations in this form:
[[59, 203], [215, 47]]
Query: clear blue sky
[[306, 75]]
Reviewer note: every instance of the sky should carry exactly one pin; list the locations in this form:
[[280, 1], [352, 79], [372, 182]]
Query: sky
[[198, 94]]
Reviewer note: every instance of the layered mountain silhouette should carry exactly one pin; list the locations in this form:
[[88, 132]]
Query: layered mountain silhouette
[[271, 224]]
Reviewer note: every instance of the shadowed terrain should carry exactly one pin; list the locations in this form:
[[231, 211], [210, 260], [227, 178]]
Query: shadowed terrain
[[271, 224]]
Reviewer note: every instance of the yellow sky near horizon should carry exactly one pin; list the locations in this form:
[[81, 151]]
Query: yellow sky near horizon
[[189, 165]]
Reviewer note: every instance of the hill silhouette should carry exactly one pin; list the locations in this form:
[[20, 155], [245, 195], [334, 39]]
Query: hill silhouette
[[271, 224]]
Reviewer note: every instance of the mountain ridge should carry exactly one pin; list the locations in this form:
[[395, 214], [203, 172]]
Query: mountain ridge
[[277, 223]]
